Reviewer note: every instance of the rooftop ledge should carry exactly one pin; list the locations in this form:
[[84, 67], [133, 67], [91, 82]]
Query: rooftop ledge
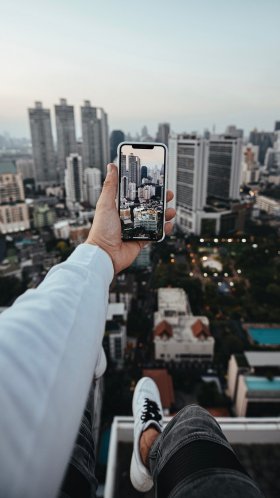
[[239, 430]]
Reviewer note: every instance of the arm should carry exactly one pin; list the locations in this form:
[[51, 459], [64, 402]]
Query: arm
[[49, 344]]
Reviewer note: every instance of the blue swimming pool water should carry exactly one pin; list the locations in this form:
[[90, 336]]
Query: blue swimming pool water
[[263, 384], [265, 336]]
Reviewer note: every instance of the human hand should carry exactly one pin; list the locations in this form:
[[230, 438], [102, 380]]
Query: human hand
[[105, 231]]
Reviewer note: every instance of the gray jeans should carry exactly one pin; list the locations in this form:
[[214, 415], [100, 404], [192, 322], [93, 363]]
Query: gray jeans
[[191, 458]]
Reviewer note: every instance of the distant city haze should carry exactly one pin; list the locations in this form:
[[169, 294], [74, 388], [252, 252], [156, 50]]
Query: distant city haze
[[193, 64]]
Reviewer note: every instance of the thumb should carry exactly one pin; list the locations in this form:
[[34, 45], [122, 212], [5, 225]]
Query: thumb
[[110, 185]]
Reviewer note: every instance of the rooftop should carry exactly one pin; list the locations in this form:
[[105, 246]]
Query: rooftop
[[256, 441]]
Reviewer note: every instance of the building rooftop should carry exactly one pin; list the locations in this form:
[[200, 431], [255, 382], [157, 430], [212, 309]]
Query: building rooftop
[[262, 358], [256, 442], [165, 385], [263, 384]]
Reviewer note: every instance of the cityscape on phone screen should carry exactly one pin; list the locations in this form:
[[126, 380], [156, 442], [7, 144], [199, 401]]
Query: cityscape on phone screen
[[142, 192]]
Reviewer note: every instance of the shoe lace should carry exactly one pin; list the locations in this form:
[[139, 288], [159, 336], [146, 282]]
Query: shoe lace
[[150, 411]]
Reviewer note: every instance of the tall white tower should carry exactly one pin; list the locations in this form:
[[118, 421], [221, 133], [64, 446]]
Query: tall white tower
[[92, 185]]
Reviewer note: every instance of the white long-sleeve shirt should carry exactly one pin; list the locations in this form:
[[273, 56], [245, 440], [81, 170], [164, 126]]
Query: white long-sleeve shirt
[[49, 343]]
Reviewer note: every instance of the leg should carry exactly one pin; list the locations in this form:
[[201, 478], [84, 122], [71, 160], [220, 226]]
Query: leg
[[192, 457], [79, 480]]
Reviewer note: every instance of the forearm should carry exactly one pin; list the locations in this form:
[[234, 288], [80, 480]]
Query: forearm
[[49, 343]]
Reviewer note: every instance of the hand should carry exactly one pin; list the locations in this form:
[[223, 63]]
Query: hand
[[106, 228]]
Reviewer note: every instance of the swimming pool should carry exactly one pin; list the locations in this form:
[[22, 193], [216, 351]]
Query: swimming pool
[[262, 384], [265, 336]]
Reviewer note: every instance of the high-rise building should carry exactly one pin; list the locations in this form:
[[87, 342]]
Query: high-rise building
[[132, 190], [92, 185], [223, 167], [134, 169], [250, 165], [117, 137], [95, 148], [42, 145], [124, 186], [199, 170], [123, 165], [272, 156], [163, 133], [25, 166], [43, 216], [14, 216], [144, 172], [74, 180], [66, 137], [264, 140], [277, 126], [234, 132]]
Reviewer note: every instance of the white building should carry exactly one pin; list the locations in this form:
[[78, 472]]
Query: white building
[[200, 169], [178, 335], [250, 164], [14, 216], [74, 180], [252, 390], [132, 191], [146, 218], [92, 185], [61, 229], [271, 206]]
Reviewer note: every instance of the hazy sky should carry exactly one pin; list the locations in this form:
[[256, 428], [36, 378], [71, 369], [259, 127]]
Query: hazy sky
[[192, 63], [149, 157]]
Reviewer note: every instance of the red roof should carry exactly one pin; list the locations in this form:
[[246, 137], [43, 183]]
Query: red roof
[[198, 329], [163, 328], [165, 385]]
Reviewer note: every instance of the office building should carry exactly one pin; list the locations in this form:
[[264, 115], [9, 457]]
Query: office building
[[271, 206], [277, 126], [131, 191], [178, 335], [124, 186], [223, 167], [66, 136], [163, 133], [74, 180], [25, 166], [43, 216], [272, 157], [254, 383], [250, 164], [42, 146], [96, 152], [205, 177], [134, 169], [264, 140], [146, 218], [92, 185], [114, 341], [14, 216], [124, 171], [234, 132], [123, 289], [117, 137]]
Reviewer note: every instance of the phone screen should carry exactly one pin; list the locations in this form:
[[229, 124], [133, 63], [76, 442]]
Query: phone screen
[[142, 180]]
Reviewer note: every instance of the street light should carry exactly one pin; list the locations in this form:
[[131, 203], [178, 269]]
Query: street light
[[243, 240], [201, 240], [205, 275], [239, 271], [226, 274]]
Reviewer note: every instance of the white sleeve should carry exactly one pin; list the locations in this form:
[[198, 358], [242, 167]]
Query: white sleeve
[[49, 343]]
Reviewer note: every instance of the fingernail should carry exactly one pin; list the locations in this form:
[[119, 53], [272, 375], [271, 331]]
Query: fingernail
[[109, 168]]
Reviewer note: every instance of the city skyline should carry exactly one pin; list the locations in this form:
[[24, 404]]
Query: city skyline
[[224, 78]]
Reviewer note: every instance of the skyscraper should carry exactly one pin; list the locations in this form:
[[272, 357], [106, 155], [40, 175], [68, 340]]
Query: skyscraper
[[224, 167], [74, 180], [123, 165], [163, 133], [117, 136], [201, 169], [42, 145], [92, 185], [95, 137], [66, 137], [134, 172], [264, 140]]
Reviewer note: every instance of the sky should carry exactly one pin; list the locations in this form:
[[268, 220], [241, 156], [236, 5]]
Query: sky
[[195, 64], [150, 158]]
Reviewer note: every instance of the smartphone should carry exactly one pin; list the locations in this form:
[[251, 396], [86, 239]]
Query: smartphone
[[142, 190]]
